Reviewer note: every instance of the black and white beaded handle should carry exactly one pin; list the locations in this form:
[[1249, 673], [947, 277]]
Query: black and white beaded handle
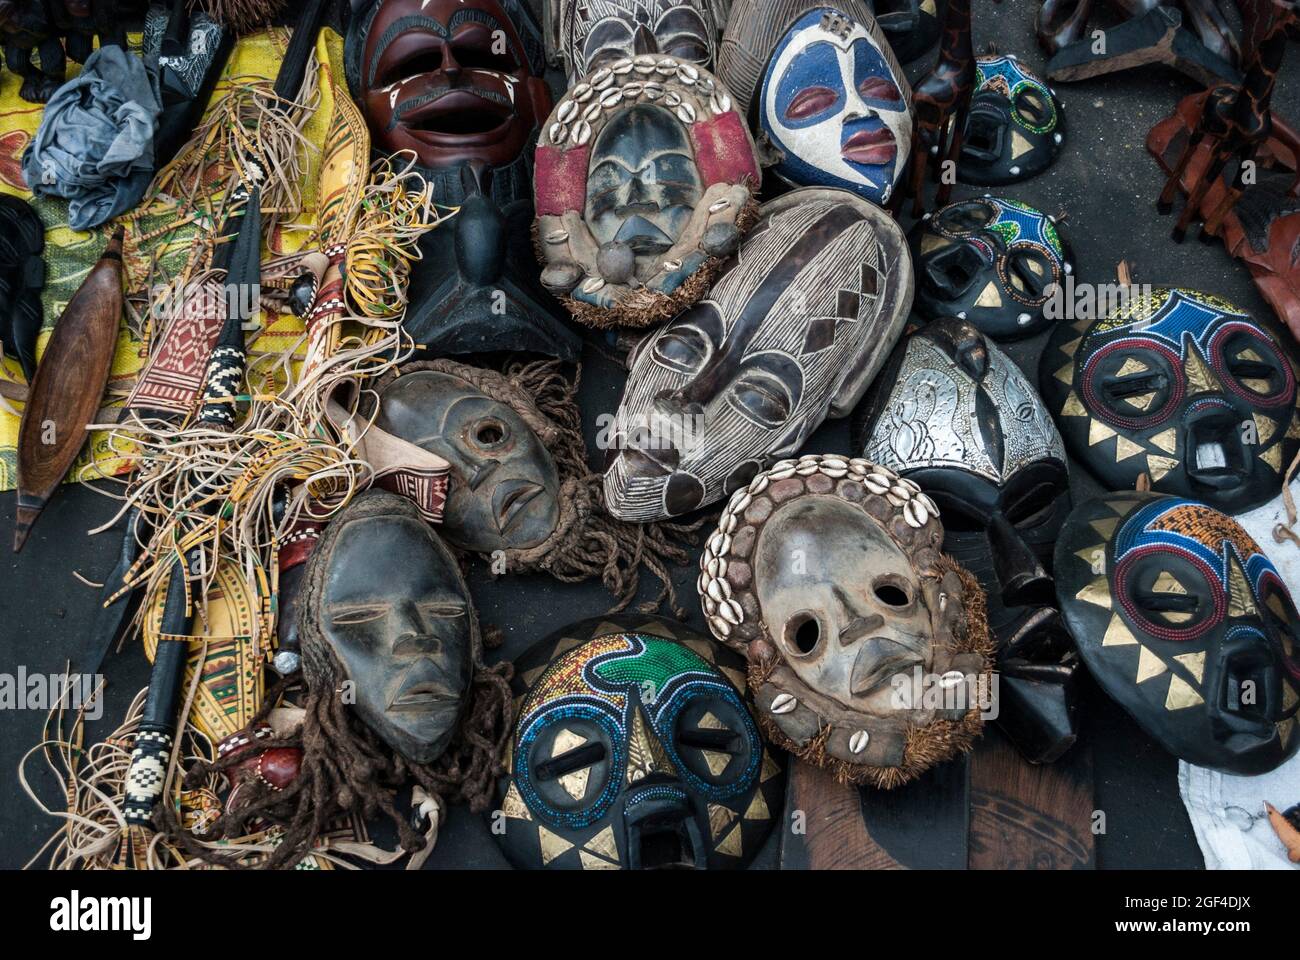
[[147, 774]]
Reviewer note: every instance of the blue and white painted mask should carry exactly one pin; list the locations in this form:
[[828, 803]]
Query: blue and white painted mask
[[835, 102]]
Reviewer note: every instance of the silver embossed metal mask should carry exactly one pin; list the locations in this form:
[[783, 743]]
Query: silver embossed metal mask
[[586, 34], [954, 414], [792, 332]]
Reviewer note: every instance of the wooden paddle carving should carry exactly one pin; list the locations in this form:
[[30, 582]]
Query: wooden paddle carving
[[69, 383]]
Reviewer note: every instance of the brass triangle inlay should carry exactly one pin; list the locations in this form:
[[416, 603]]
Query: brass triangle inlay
[[1284, 731], [1195, 664], [1071, 347], [1149, 665], [1142, 401], [933, 241], [513, 806], [1166, 440], [592, 862], [720, 818], [1273, 457], [1097, 432], [1265, 427], [1166, 582], [1293, 431], [1118, 634], [1131, 366], [1066, 373], [733, 844], [1073, 406], [1200, 378], [1097, 592], [989, 296], [552, 844], [1181, 695], [1019, 145], [1125, 448], [1241, 602], [1158, 467], [758, 808], [1105, 526], [604, 844]]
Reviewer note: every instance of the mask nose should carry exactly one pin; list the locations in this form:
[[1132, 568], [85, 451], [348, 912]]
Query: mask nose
[[449, 64], [1022, 578], [643, 41], [413, 638]]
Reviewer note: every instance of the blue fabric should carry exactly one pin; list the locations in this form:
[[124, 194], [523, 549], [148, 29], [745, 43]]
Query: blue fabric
[[95, 143]]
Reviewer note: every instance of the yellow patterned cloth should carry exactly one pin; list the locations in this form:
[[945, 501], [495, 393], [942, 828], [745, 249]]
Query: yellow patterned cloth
[[151, 232]]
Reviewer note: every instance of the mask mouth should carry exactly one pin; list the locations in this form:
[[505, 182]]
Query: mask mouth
[[423, 689], [878, 662], [1216, 455], [952, 271], [640, 234], [870, 148], [662, 833], [455, 112], [510, 499]]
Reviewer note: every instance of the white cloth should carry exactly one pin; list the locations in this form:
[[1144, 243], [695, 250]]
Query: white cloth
[[1227, 811], [1227, 814]]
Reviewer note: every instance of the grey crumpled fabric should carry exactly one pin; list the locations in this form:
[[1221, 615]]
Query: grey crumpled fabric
[[95, 143]]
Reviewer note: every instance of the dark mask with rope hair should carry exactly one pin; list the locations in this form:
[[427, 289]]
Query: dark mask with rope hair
[[396, 687], [521, 491], [454, 81]]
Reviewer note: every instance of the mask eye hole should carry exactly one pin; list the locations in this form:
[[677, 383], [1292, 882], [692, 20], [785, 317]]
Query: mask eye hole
[[1132, 387], [1028, 272], [490, 432], [803, 634], [892, 591], [714, 740], [1033, 107], [964, 218], [683, 348], [1251, 366], [1170, 595], [1035, 507]]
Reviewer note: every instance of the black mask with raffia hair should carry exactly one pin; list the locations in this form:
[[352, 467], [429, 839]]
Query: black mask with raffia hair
[[388, 602], [634, 748], [521, 491], [396, 688]]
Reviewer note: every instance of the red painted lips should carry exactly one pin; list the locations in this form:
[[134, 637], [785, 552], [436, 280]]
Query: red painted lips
[[872, 148]]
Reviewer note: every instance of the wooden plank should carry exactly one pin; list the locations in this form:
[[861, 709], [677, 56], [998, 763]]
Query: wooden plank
[[1030, 817], [921, 825]]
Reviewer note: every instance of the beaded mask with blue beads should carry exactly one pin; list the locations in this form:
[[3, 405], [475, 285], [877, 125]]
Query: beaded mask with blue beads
[[634, 749]]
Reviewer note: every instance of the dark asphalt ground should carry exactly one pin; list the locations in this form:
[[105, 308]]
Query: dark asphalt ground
[[1106, 184]]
